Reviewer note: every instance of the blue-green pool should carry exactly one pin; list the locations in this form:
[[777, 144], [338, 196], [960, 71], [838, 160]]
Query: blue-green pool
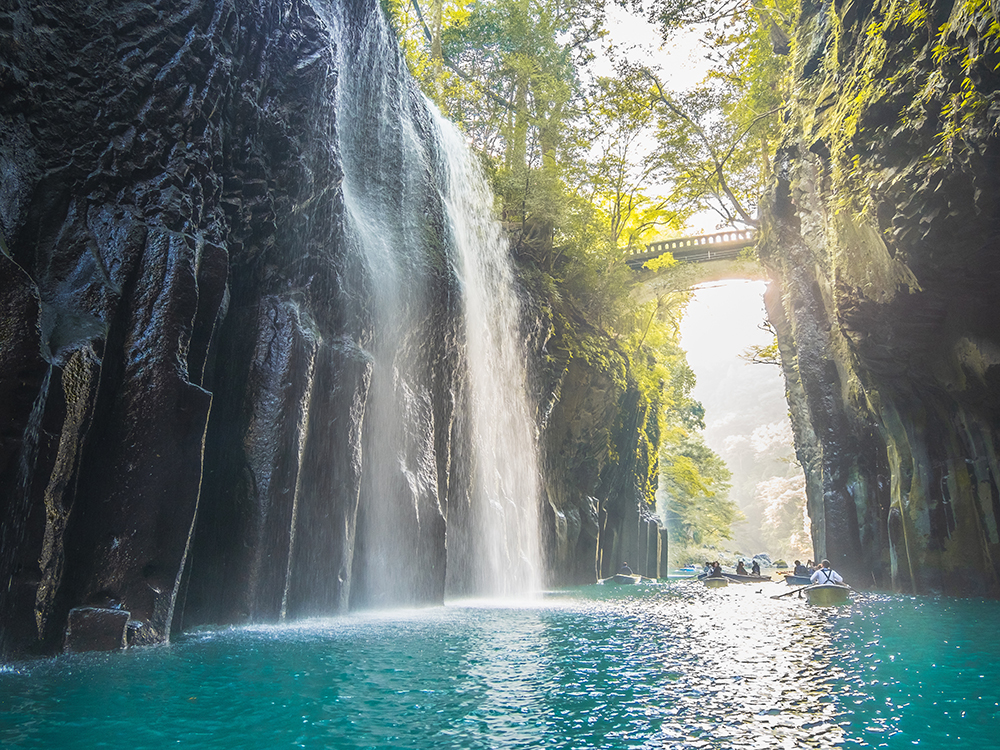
[[649, 666]]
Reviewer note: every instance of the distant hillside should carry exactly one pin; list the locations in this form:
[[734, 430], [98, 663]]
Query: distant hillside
[[746, 417]]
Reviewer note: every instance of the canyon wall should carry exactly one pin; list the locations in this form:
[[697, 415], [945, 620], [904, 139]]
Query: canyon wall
[[262, 351], [235, 371], [882, 233], [599, 438]]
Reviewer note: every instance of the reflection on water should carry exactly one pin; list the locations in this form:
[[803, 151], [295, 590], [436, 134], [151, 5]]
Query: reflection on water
[[650, 666]]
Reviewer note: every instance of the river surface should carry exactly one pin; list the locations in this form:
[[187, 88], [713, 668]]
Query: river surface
[[648, 666]]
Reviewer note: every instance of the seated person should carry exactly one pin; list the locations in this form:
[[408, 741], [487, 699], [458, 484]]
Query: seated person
[[740, 570], [625, 570], [755, 568], [800, 569], [826, 574]]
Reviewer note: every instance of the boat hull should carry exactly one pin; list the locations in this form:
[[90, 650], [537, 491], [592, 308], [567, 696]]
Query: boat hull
[[623, 579], [738, 578], [713, 582], [827, 594]]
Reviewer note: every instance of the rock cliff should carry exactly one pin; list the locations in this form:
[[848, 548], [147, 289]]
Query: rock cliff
[[207, 209], [599, 444], [882, 232]]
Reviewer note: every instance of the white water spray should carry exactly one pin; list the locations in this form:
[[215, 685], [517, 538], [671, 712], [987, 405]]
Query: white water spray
[[504, 493], [397, 151]]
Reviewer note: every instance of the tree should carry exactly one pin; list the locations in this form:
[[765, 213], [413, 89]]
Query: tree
[[715, 141], [695, 487], [577, 163]]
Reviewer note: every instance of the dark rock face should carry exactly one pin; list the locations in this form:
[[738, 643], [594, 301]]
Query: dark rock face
[[186, 324], [883, 234], [96, 629], [599, 457]]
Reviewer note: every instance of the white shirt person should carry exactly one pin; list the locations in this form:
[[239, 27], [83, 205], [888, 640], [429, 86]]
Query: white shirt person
[[826, 574]]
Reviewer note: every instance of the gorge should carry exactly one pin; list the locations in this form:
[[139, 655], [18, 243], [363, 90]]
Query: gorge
[[262, 349], [264, 355]]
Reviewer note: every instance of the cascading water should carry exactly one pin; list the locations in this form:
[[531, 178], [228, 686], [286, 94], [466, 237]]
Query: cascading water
[[418, 216], [302, 390], [499, 543]]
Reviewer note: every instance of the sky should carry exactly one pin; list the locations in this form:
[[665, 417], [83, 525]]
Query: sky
[[679, 63], [721, 321]]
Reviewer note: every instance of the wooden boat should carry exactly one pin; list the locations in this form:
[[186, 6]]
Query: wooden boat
[[715, 582], [623, 578], [797, 580], [827, 594], [681, 576]]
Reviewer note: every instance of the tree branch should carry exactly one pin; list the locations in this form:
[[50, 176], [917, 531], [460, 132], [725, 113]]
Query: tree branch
[[716, 161], [496, 98]]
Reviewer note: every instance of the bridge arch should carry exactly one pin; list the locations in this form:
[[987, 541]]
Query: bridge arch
[[700, 248], [702, 258]]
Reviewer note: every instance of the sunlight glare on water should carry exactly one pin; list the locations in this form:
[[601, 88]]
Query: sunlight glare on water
[[648, 666]]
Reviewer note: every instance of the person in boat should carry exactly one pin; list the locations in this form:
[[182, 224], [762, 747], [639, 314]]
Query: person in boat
[[801, 570], [716, 570], [625, 570], [708, 568], [826, 574], [741, 569], [755, 568]]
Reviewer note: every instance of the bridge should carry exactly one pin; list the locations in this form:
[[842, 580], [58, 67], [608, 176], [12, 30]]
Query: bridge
[[700, 248]]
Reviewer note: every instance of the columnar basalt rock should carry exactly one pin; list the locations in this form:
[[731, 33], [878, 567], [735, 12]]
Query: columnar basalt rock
[[599, 475], [882, 232], [184, 372]]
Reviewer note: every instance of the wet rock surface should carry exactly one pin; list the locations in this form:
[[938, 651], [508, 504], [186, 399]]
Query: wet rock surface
[[599, 469], [882, 232], [183, 376], [96, 629]]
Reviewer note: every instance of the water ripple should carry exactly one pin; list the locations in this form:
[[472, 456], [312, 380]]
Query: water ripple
[[652, 666]]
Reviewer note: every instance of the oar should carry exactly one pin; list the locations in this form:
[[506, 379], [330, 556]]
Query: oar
[[792, 591]]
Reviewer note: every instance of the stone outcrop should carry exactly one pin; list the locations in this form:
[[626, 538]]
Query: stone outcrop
[[599, 445], [882, 232]]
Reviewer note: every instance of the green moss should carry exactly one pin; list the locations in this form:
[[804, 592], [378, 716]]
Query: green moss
[[898, 86]]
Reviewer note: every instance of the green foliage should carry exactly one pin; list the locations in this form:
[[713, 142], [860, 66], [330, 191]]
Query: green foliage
[[671, 15], [715, 141], [569, 157], [767, 354], [942, 98], [660, 262], [696, 485]]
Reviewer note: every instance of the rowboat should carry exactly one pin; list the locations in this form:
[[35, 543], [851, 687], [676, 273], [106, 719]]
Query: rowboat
[[826, 594], [797, 580], [682, 574], [716, 582], [623, 578]]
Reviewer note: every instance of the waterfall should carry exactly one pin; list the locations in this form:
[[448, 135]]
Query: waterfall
[[305, 382], [435, 277], [500, 541]]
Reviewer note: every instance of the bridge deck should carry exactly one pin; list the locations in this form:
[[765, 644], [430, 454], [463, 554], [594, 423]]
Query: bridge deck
[[699, 248]]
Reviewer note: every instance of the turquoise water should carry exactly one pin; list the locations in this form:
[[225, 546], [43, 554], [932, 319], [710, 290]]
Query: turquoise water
[[649, 666]]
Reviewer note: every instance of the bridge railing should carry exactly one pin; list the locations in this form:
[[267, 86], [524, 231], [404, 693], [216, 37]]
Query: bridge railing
[[698, 248]]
